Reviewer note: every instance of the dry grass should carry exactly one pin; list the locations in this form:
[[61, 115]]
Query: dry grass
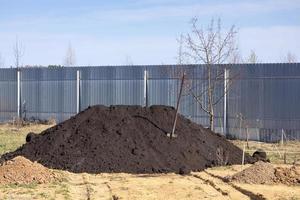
[[55, 190], [275, 151], [12, 137]]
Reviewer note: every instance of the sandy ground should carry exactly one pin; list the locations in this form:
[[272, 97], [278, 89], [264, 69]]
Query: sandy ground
[[201, 185]]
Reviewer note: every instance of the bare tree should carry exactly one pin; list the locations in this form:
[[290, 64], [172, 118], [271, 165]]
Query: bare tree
[[210, 46], [70, 57], [236, 58], [128, 60], [18, 51], [290, 58], [180, 52], [252, 57], [1, 61]]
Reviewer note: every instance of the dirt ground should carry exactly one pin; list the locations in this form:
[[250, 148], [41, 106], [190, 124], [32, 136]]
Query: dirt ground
[[208, 184], [200, 185]]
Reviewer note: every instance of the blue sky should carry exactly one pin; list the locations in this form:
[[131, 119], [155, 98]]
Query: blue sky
[[140, 32]]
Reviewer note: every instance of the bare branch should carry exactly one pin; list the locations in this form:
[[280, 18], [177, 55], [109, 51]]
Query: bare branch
[[210, 46], [18, 51], [290, 58], [128, 60], [253, 57], [1, 61], [180, 52], [70, 57], [198, 99]]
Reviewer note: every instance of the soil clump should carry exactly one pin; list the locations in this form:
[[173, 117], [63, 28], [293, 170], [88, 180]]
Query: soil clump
[[265, 173], [20, 170]]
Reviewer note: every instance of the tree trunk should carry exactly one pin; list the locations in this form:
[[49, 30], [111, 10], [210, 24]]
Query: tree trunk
[[210, 99], [211, 122]]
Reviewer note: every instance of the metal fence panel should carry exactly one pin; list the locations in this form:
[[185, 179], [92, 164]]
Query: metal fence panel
[[112, 85], [265, 95], [48, 93], [8, 94]]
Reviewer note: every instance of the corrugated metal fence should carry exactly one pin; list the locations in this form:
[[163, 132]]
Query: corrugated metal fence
[[262, 100]]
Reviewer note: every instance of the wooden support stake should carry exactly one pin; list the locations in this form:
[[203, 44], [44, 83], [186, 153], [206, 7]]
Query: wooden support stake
[[284, 157], [177, 107]]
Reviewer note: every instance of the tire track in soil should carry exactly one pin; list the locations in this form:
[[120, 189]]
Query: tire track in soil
[[113, 197], [211, 191], [87, 187], [211, 183], [77, 187], [250, 194]]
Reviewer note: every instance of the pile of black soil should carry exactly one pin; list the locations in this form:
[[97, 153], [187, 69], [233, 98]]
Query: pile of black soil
[[130, 139]]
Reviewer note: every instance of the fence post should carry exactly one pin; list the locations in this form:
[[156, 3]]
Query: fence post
[[19, 93], [77, 91], [247, 137], [226, 75], [281, 137], [243, 156], [145, 88]]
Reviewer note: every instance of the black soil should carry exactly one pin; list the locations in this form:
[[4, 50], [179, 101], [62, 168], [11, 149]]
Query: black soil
[[130, 139]]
